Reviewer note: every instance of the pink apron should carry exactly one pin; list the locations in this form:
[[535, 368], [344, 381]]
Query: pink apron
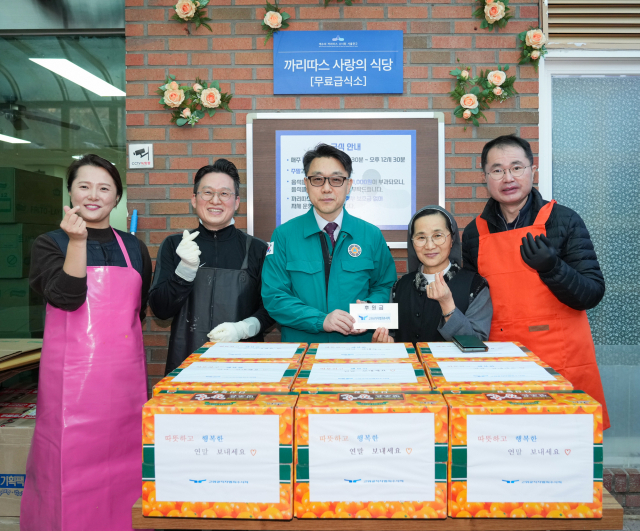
[[84, 469]]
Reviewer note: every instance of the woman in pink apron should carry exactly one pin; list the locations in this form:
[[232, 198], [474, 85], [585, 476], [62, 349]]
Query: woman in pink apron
[[84, 467]]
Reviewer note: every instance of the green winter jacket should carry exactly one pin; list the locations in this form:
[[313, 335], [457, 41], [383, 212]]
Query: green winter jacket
[[293, 277]]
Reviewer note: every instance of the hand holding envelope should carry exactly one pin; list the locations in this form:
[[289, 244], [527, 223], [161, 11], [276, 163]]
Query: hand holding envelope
[[370, 316]]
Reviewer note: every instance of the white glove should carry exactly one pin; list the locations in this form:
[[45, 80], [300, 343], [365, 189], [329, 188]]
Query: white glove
[[234, 332], [189, 254]]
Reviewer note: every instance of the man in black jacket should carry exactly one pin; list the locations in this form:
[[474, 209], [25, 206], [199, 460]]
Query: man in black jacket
[[541, 266], [209, 280]]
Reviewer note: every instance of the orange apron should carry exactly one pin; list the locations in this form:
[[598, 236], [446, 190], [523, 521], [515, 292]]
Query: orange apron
[[525, 310]]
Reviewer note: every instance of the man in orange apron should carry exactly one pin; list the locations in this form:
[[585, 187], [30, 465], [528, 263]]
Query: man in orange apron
[[542, 270]]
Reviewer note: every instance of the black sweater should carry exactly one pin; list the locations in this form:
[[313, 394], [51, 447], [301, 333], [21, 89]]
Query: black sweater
[[64, 291], [224, 249]]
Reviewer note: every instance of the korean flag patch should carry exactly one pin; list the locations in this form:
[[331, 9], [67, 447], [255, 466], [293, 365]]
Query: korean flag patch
[[270, 248]]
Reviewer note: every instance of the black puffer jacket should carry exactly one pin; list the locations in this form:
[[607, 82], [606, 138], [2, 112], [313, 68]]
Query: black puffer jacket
[[576, 280]]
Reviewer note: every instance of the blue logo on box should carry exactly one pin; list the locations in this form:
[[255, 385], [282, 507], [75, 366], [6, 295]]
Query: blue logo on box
[[352, 62]]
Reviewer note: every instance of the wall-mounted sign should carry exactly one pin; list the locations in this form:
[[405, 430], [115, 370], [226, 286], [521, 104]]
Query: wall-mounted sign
[[332, 62], [140, 156], [384, 174]]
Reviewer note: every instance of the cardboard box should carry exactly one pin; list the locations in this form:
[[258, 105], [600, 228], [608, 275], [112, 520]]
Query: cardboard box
[[16, 240], [218, 455], [498, 351], [27, 197], [22, 310], [373, 352], [361, 455], [345, 376], [504, 375], [247, 376], [232, 352], [17, 422], [524, 455]]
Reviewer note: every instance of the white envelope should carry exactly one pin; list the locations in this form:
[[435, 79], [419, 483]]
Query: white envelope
[[372, 316]]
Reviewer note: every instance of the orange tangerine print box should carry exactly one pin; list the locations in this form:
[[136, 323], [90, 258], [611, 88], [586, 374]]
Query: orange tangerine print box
[[492, 375], [367, 455], [498, 351], [263, 376], [371, 352], [338, 376], [254, 352], [524, 455], [218, 455]]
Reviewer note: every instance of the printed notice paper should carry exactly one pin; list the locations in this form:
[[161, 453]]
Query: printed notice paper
[[206, 371], [251, 350], [382, 457], [530, 458], [373, 316], [494, 371], [346, 351], [497, 349], [224, 458], [366, 373]]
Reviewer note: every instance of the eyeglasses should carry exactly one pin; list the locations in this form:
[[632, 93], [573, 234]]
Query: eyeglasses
[[438, 239], [516, 171], [207, 195], [318, 180]]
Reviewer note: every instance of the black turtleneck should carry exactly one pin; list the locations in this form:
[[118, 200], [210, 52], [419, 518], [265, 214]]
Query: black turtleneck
[[223, 249], [68, 293]]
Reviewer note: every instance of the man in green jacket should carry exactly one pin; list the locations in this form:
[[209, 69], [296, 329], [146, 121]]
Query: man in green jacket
[[319, 263]]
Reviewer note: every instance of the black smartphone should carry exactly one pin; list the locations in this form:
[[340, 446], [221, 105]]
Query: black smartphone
[[469, 344]]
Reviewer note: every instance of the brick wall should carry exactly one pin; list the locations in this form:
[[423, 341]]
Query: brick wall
[[624, 485], [437, 34]]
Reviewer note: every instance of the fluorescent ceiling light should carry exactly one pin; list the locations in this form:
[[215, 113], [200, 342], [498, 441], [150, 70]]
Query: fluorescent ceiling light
[[13, 140], [79, 76]]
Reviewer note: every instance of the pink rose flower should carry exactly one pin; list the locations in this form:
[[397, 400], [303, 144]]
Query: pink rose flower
[[466, 114], [497, 91], [273, 19], [496, 77], [185, 9], [210, 98], [535, 54], [494, 11], [185, 113], [535, 38], [469, 101], [172, 86], [173, 98], [197, 87]]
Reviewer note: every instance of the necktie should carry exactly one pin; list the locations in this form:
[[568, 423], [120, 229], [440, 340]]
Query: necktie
[[330, 228]]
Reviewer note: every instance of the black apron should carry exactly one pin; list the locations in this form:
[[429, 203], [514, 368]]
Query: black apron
[[218, 296]]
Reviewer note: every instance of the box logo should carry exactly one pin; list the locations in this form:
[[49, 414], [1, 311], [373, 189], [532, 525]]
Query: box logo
[[367, 396], [518, 396], [223, 396]]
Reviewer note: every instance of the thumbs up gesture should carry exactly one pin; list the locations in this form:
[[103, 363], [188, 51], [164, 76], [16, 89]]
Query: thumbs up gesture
[[188, 250]]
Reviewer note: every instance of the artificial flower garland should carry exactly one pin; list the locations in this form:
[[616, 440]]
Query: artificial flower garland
[[533, 48], [189, 104], [192, 11], [274, 20], [495, 13], [474, 95]]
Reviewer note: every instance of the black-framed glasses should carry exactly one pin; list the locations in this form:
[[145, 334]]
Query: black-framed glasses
[[207, 195], [438, 239], [318, 180], [515, 171]]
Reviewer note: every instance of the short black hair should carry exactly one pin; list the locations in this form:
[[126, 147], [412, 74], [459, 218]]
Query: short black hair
[[219, 166], [327, 151], [97, 162], [506, 140]]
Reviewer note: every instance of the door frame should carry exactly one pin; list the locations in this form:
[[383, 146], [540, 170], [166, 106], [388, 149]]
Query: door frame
[[589, 63]]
